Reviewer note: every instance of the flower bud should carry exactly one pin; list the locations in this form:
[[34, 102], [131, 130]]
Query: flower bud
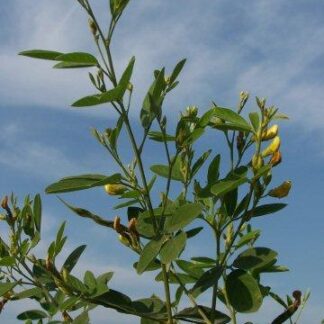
[[270, 133], [272, 148], [276, 158], [257, 162], [281, 191], [4, 203], [130, 86], [93, 27], [240, 142], [244, 96], [132, 225], [124, 240], [115, 189], [117, 226]]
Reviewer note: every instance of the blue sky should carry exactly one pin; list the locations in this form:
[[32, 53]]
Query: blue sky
[[272, 49]]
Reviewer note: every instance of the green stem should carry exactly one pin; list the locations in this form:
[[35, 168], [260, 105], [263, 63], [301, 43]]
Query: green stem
[[167, 293], [215, 288]]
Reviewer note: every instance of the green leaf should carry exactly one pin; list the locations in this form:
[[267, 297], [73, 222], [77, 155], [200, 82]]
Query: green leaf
[[73, 258], [82, 182], [183, 277], [247, 238], [255, 120], [207, 280], [7, 286], [83, 318], [191, 268], [33, 292], [192, 315], [71, 65], [267, 209], [78, 57], [41, 54], [171, 250], [149, 253], [182, 217], [32, 314], [243, 292], [213, 170], [224, 186], [125, 78], [159, 137], [233, 120], [199, 163], [90, 281], [176, 71], [99, 99], [194, 231], [254, 259], [7, 261], [163, 170], [37, 211]]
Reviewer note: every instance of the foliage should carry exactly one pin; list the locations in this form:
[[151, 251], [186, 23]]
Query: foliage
[[225, 199]]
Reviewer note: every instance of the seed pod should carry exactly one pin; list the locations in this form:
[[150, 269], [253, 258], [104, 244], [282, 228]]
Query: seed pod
[[115, 189], [270, 133], [117, 226], [272, 148], [276, 158], [281, 191], [240, 142]]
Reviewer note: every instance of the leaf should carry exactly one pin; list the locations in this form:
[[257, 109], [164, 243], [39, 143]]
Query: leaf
[[266, 209], [159, 137], [73, 258], [194, 231], [41, 54], [207, 280], [171, 250], [7, 286], [33, 292], [176, 71], [233, 120], [150, 251], [255, 120], [82, 182], [125, 78], [183, 277], [78, 57], [199, 163], [192, 315], [83, 318], [37, 211], [224, 186], [99, 99], [182, 217], [213, 170], [7, 261], [254, 259], [247, 238], [163, 171], [243, 292], [90, 281], [32, 314], [191, 268], [71, 65]]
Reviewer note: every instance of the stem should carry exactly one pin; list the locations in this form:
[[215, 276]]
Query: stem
[[192, 299], [167, 293], [215, 288]]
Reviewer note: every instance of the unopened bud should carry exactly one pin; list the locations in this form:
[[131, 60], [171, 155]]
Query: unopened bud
[[270, 133], [130, 86], [93, 27], [276, 158], [4, 203], [124, 240], [48, 264], [257, 162], [240, 142], [272, 148], [117, 226], [132, 225], [244, 96], [281, 191], [115, 189]]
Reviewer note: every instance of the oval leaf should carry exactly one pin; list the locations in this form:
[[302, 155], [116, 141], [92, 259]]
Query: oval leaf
[[243, 292], [172, 248]]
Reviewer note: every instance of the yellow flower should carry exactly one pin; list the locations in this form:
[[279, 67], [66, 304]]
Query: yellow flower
[[272, 148], [270, 133], [115, 189], [281, 191]]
